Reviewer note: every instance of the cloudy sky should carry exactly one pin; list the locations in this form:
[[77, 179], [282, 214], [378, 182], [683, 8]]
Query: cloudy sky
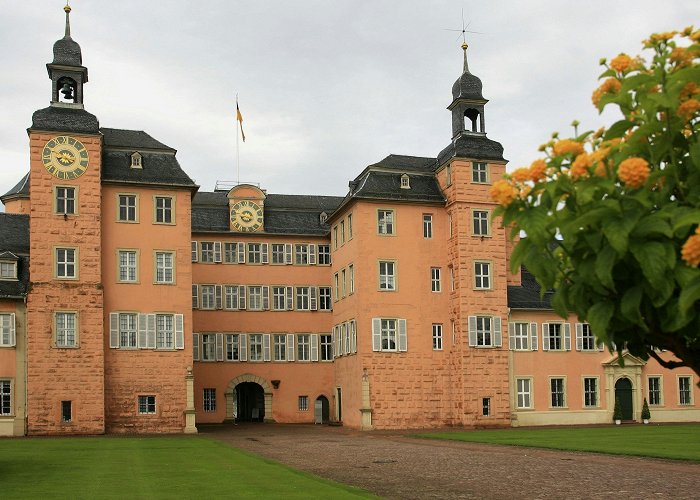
[[325, 87]]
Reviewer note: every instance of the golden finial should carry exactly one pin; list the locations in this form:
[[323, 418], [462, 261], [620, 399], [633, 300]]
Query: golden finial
[[466, 65], [67, 11], [67, 8]]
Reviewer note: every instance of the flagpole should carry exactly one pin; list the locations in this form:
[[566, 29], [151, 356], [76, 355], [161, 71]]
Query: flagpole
[[238, 155]]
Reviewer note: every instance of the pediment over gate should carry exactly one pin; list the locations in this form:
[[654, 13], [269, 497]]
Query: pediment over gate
[[628, 360]]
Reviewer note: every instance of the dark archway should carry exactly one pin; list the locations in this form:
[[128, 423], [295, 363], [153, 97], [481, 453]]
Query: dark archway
[[250, 400], [322, 401], [623, 392], [472, 115]]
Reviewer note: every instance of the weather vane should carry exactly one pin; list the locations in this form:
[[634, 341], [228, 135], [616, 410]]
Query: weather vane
[[463, 32]]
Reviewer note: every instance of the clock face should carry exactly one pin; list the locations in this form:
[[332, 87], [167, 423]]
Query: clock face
[[65, 157], [246, 216]]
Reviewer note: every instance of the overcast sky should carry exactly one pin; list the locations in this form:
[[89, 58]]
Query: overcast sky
[[325, 87]]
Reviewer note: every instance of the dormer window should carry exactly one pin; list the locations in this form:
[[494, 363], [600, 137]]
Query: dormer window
[[405, 184], [136, 160], [8, 270], [323, 217]]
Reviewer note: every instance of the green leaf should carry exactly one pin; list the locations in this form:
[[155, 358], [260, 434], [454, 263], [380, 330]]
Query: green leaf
[[652, 225], [599, 316], [630, 303], [604, 263], [689, 295], [519, 252], [685, 217], [651, 257], [617, 231], [559, 303]]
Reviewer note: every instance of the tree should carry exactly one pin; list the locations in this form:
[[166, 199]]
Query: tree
[[611, 218]]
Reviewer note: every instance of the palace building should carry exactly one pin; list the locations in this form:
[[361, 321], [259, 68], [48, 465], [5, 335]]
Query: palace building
[[132, 301]]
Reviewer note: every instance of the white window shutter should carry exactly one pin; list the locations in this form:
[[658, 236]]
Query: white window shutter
[[179, 331], [567, 337], [376, 334], [511, 336], [290, 347], [195, 252], [403, 338], [195, 347], [289, 293], [114, 330], [353, 336], [151, 333], [533, 336], [219, 346], [241, 297], [497, 334], [579, 336], [266, 297], [264, 249], [195, 296], [240, 250], [13, 330], [314, 347], [217, 251], [312, 254], [313, 298], [243, 347], [266, 347], [601, 344], [472, 331], [545, 336], [142, 337], [288, 253], [218, 296]]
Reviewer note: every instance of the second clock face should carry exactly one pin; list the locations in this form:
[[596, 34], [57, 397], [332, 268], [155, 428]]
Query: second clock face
[[246, 216], [65, 157]]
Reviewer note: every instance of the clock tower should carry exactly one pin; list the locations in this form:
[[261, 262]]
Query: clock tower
[[65, 345]]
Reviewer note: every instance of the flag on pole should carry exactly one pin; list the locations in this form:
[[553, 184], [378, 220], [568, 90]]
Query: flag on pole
[[239, 118]]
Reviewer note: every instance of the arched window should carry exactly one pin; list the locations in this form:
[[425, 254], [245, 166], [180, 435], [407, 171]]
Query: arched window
[[472, 115], [66, 90]]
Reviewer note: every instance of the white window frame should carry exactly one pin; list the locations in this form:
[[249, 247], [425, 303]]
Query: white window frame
[[351, 279], [255, 347], [6, 393], [685, 390], [162, 267], [129, 204], [163, 212], [659, 390], [66, 259], [482, 275], [387, 275], [207, 300], [386, 222], [427, 226], [146, 405], [207, 252], [481, 222], [66, 329], [480, 172], [437, 337], [485, 331], [586, 391], [7, 330], [279, 344], [254, 253], [523, 393], [389, 335], [209, 399], [8, 270], [326, 347], [128, 270], [303, 403], [435, 281], [324, 255], [303, 347], [552, 403], [68, 200], [325, 299], [550, 335], [128, 334]]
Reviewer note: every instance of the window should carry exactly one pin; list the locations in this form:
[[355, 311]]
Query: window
[[66, 332], [385, 221], [5, 397], [165, 267], [326, 348], [519, 336], [349, 226], [435, 279], [556, 337], [524, 395], [557, 392], [343, 282], [485, 331], [255, 253], [351, 275], [7, 330], [127, 330], [230, 252], [66, 411], [303, 403], [127, 208], [449, 225], [427, 226], [585, 341], [208, 347], [486, 407], [303, 347], [654, 384], [232, 347], [482, 275], [8, 270], [255, 298], [335, 237], [127, 266], [437, 337], [387, 275], [590, 392], [279, 342], [324, 255], [480, 221], [234, 296], [66, 263], [209, 399], [303, 298], [388, 334], [165, 331], [342, 232], [164, 210], [256, 341], [685, 395], [405, 182], [301, 254], [480, 172], [65, 200], [335, 286], [452, 279], [324, 298], [206, 249], [208, 300], [278, 253], [147, 405], [448, 175], [136, 160], [279, 296]]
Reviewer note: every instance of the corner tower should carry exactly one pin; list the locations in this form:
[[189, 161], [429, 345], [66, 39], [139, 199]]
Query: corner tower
[[65, 345], [477, 260]]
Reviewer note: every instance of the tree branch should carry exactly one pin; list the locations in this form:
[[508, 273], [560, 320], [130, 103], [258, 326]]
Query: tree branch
[[666, 364]]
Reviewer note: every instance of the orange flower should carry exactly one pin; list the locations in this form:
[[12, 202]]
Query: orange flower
[[663, 37], [609, 86], [566, 146], [579, 168], [503, 192], [688, 109], [690, 252], [537, 170], [599, 133], [524, 192], [695, 36], [633, 172], [621, 63], [690, 89], [681, 56], [521, 174]]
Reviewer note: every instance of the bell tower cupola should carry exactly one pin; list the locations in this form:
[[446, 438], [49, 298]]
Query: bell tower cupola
[[468, 103], [66, 71]]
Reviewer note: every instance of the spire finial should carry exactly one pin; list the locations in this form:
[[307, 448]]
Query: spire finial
[[67, 10], [466, 65]]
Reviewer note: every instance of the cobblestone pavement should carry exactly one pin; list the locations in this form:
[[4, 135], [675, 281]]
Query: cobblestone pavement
[[392, 465]]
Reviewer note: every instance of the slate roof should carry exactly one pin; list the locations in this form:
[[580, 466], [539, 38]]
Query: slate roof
[[472, 145], [14, 229], [283, 214], [407, 163], [66, 51], [134, 139], [527, 295], [60, 119], [468, 86], [20, 190]]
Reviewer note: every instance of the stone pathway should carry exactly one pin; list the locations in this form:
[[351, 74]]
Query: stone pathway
[[394, 466]]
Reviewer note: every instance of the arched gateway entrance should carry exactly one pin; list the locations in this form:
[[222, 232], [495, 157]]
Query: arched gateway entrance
[[249, 399], [623, 392]]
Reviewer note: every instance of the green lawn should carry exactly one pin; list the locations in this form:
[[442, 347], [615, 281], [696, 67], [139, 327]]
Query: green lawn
[[663, 441], [150, 467]]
